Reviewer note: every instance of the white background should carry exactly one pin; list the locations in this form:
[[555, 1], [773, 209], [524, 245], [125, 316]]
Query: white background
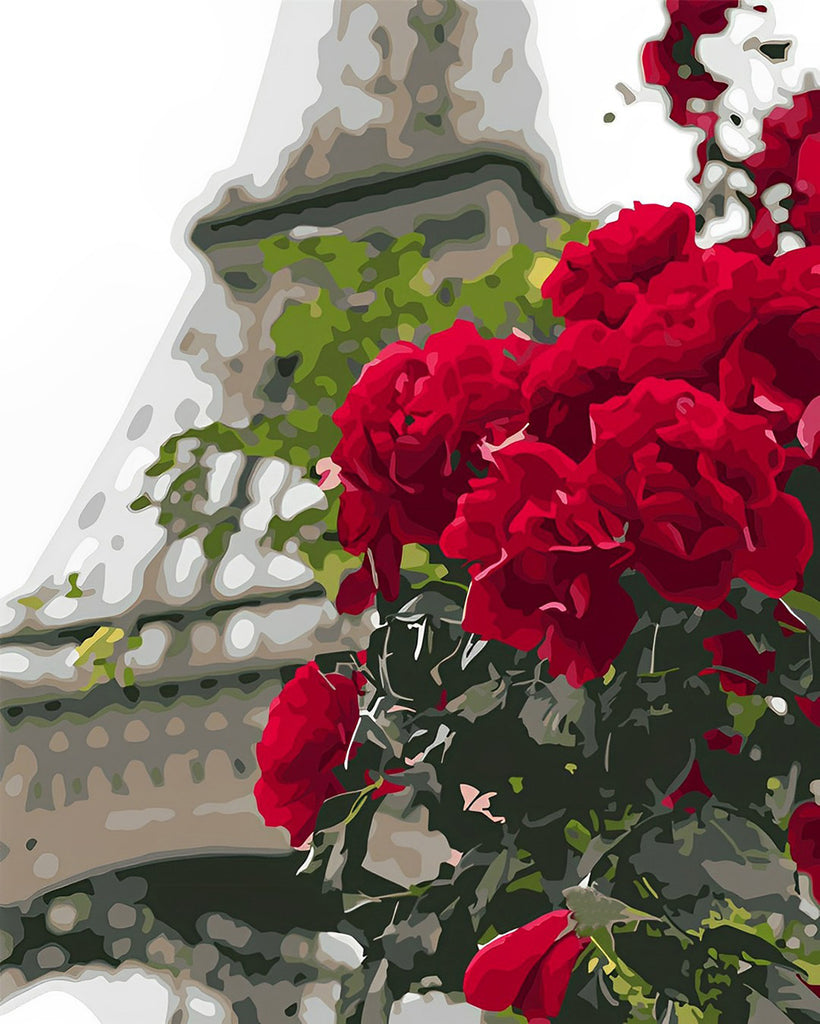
[[114, 117]]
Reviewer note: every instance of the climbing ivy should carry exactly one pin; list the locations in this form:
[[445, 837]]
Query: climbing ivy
[[355, 298]]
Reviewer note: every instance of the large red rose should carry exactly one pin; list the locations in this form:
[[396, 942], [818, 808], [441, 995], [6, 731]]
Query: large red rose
[[661, 306], [602, 279], [804, 843], [545, 562], [672, 62], [310, 726], [739, 665], [697, 486], [690, 312], [582, 368], [412, 426], [528, 969]]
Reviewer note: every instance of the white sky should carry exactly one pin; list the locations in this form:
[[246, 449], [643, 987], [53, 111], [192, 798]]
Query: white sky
[[115, 118]]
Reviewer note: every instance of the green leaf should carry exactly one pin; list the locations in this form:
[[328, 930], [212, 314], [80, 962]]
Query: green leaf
[[594, 911]]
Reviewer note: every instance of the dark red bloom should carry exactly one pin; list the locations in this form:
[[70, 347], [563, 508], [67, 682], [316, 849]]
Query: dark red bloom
[[546, 562], [773, 366], [718, 739], [740, 666], [411, 427], [790, 155], [642, 299], [565, 379], [697, 486], [602, 279], [693, 783], [528, 969], [804, 842], [310, 726], [672, 63]]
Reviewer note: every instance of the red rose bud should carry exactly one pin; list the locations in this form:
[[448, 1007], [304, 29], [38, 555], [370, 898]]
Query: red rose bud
[[739, 665], [310, 726], [528, 969], [804, 843]]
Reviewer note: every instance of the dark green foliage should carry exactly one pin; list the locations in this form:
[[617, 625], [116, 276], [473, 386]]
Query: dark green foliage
[[689, 907]]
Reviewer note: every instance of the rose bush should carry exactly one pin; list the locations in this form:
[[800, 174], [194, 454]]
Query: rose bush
[[606, 699], [665, 478]]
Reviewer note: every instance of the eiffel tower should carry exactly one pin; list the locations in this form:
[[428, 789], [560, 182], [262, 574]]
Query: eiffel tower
[[139, 663]]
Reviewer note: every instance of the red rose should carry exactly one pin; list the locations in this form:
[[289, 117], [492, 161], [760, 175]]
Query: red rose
[[698, 487], [690, 312], [310, 726], [773, 366], [411, 426], [546, 562], [564, 379], [528, 968], [790, 155], [804, 842], [602, 279], [671, 61], [676, 306], [741, 668]]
